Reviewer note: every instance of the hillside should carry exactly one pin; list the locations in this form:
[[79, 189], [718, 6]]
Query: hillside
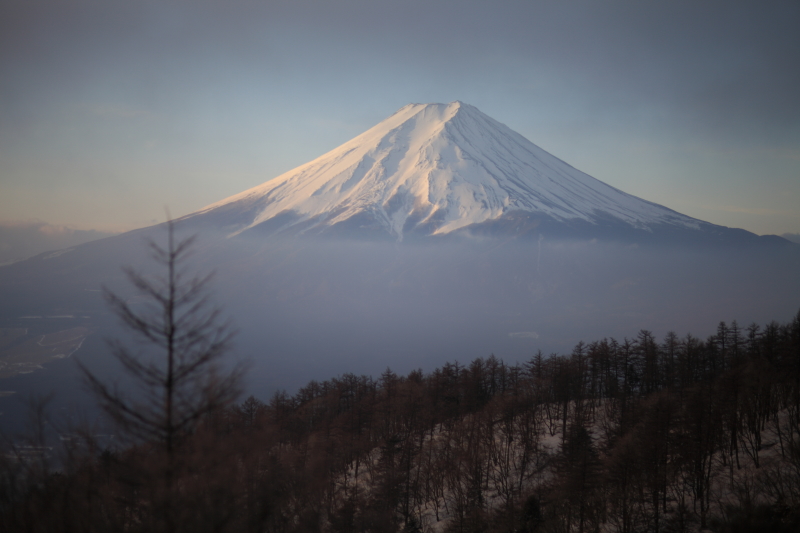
[[635, 435]]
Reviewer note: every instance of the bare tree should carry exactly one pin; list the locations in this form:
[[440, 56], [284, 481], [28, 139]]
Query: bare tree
[[183, 382], [177, 377]]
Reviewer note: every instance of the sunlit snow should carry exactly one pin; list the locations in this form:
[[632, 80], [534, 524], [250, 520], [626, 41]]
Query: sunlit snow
[[449, 164]]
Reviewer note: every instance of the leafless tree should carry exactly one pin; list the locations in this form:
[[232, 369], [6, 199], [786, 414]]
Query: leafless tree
[[177, 377], [183, 382]]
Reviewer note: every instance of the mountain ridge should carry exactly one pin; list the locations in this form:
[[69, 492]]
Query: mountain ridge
[[435, 169]]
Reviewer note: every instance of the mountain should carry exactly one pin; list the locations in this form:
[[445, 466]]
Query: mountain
[[438, 169], [505, 249]]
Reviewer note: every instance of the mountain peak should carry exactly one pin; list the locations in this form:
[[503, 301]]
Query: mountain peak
[[434, 168]]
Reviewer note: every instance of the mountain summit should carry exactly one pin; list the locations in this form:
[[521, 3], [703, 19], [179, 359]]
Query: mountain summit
[[433, 169]]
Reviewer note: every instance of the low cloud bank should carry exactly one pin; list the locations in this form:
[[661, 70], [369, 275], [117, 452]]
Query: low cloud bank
[[21, 240], [794, 237]]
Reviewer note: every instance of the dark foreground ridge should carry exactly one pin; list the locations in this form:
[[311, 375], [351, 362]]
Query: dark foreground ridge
[[637, 435]]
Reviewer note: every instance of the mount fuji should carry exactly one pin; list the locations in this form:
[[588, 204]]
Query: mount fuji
[[437, 235], [439, 169]]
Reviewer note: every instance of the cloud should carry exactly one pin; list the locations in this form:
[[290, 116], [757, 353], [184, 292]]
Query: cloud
[[20, 240], [794, 237], [524, 335]]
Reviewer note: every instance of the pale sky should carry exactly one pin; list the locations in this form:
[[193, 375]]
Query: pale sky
[[111, 111]]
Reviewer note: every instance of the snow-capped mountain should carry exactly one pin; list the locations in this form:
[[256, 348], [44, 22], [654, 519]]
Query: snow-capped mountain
[[433, 169], [506, 250]]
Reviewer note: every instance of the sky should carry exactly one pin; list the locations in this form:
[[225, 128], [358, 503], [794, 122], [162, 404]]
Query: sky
[[113, 113]]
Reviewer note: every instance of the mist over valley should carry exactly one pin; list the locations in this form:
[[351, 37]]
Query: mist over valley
[[437, 299]]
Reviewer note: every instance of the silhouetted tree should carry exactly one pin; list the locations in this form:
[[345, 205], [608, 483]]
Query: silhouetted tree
[[180, 380]]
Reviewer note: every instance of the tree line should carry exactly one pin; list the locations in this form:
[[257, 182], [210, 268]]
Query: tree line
[[638, 435], [671, 435]]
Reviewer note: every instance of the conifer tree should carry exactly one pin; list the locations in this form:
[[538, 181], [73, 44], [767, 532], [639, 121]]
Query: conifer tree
[[178, 380]]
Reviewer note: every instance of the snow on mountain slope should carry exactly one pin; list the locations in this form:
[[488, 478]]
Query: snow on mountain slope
[[441, 167]]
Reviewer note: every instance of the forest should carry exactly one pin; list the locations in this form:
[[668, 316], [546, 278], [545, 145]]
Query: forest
[[671, 435], [677, 434]]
